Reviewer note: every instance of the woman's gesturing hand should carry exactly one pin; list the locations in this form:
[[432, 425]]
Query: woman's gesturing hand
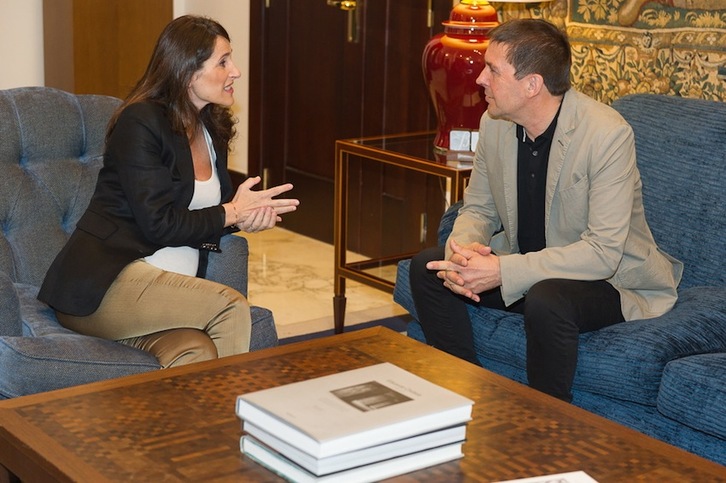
[[254, 211], [259, 219]]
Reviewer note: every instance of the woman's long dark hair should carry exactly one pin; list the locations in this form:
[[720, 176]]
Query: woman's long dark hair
[[181, 50]]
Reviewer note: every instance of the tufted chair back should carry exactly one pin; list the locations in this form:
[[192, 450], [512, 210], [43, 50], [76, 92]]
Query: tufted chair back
[[51, 146]]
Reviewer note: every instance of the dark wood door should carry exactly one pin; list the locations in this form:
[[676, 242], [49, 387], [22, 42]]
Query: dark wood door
[[310, 85]]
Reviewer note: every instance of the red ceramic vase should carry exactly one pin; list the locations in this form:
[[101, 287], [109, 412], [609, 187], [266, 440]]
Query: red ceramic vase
[[451, 63]]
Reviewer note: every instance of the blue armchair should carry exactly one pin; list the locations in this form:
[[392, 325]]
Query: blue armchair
[[51, 145]]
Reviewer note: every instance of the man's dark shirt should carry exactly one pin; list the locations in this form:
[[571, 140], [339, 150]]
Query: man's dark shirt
[[531, 186]]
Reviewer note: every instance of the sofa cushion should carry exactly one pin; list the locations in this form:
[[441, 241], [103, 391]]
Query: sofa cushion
[[683, 173], [48, 356], [648, 420], [699, 378], [49, 348], [626, 360], [40, 320], [69, 360]]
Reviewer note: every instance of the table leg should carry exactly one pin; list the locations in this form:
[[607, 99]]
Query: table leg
[[339, 312]]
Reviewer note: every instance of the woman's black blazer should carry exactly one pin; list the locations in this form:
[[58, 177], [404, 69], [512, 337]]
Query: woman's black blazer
[[141, 204]]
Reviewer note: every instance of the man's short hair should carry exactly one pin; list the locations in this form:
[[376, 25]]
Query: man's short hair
[[535, 46]]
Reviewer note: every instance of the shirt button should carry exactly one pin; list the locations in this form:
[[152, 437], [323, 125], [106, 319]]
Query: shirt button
[[534, 153]]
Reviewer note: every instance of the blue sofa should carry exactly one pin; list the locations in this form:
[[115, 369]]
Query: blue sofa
[[665, 377], [51, 145]]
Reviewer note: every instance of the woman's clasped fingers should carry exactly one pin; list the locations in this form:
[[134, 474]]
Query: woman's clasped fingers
[[259, 220], [283, 206]]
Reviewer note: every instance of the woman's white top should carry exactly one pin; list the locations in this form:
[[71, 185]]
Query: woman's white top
[[185, 260]]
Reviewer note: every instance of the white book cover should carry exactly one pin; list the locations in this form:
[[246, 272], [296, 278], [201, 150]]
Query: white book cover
[[571, 477], [380, 470], [365, 456], [354, 409]]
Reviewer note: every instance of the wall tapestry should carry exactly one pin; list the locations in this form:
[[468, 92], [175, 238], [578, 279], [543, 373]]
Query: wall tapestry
[[624, 47]]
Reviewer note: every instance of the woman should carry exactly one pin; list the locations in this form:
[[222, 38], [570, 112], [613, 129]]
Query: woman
[[133, 269]]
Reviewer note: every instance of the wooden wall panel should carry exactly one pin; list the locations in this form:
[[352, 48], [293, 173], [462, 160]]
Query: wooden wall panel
[[58, 44], [100, 46]]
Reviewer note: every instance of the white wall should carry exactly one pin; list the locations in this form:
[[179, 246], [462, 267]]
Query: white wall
[[21, 43], [234, 15]]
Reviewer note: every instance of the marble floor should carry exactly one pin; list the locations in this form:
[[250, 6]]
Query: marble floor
[[292, 275]]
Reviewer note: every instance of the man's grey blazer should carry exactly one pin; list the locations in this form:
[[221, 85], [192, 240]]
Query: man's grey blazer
[[595, 226]]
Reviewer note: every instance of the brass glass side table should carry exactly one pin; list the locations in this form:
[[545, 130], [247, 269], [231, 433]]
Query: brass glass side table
[[403, 155]]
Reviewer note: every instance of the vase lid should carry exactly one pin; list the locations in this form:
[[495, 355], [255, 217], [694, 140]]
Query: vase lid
[[472, 14]]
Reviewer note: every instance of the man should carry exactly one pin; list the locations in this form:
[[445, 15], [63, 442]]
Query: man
[[552, 224]]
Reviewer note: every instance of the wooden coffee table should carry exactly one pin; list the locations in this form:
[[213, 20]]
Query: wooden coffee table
[[180, 424]]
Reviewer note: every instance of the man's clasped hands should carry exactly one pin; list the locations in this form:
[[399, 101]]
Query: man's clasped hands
[[471, 269]]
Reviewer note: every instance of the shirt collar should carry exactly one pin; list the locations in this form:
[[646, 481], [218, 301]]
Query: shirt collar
[[548, 134]]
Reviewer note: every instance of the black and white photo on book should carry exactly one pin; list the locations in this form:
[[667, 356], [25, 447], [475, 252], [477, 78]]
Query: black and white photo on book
[[354, 409]]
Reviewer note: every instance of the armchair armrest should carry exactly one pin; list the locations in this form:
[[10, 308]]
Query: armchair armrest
[[229, 267], [10, 320]]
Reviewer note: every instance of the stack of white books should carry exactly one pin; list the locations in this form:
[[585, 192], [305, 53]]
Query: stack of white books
[[355, 426]]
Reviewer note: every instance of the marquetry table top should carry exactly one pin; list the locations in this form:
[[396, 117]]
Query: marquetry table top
[[180, 424]]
